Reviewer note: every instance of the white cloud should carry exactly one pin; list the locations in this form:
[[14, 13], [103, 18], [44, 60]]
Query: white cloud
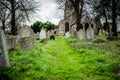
[[48, 12]]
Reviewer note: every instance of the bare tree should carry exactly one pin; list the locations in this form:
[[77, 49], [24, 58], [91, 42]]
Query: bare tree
[[19, 9]]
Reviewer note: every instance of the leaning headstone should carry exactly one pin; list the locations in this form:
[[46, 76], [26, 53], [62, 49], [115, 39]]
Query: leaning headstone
[[11, 42], [4, 59], [67, 34], [43, 34], [90, 33]]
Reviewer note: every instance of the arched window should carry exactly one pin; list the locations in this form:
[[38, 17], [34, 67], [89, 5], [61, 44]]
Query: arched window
[[66, 26]]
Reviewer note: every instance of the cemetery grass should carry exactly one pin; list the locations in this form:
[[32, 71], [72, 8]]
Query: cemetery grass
[[66, 59]]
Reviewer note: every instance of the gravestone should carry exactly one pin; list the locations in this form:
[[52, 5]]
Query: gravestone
[[100, 32], [25, 31], [81, 34], [67, 34], [75, 34], [90, 33], [11, 42], [4, 60], [26, 38], [36, 36], [49, 33], [43, 34], [26, 43]]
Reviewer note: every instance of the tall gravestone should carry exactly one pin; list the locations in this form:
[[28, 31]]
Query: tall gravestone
[[4, 60], [36, 36], [90, 33], [43, 34], [26, 38], [49, 33], [81, 34]]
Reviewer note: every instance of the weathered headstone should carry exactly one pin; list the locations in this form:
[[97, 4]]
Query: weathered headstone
[[4, 59], [43, 34], [100, 32], [11, 42], [26, 43], [49, 33], [67, 34], [81, 34], [75, 34], [36, 36], [90, 33], [26, 38], [25, 31]]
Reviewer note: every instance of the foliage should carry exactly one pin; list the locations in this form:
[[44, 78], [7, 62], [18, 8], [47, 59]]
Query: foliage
[[36, 27], [66, 59], [47, 25], [18, 10]]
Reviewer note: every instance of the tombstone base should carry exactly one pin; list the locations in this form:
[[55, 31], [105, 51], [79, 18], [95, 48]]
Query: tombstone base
[[26, 43]]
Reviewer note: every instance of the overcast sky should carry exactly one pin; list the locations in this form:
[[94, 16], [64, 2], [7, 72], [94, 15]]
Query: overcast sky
[[48, 12]]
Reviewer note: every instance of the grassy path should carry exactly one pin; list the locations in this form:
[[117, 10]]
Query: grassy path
[[64, 64]]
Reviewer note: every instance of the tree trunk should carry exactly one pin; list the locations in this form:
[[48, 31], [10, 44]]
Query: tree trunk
[[13, 26], [107, 25], [3, 25], [114, 16], [78, 11]]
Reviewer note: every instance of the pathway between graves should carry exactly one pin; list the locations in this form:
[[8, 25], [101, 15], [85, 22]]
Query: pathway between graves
[[61, 61]]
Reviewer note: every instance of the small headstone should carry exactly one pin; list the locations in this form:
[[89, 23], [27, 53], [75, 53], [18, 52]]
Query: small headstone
[[90, 33], [43, 34], [4, 59], [67, 34], [11, 42]]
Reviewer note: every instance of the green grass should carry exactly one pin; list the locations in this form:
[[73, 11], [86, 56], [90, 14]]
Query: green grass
[[65, 59]]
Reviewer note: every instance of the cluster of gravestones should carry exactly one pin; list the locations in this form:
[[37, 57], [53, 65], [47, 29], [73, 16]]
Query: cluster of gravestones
[[24, 40], [43, 35], [80, 34]]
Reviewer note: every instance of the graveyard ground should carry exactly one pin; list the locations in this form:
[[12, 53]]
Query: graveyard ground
[[66, 59]]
